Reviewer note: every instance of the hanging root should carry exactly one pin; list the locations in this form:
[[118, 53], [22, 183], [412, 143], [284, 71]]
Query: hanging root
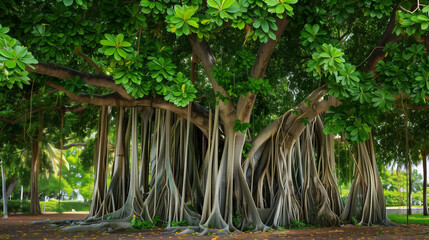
[[289, 176], [366, 198], [294, 187]]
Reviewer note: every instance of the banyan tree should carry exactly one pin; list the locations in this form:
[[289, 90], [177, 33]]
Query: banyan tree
[[179, 82]]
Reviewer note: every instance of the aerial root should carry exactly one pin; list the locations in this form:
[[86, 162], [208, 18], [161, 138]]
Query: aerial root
[[262, 228], [202, 231], [116, 225], [177, 229], [206, 231]]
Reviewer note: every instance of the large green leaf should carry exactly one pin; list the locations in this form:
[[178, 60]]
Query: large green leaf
[[68, 2]]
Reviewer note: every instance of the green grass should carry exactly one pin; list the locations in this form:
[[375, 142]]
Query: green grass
[[413, 219]]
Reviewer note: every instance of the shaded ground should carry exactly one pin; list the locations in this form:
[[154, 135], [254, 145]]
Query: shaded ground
[[19, 227]]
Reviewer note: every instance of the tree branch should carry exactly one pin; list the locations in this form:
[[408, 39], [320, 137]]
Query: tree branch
[[199, 115], [388, 36], [266, 50], [205, 55], [72, 145], [91, 62], [245, 105], [15, 121], [208, 60], [296, 127], [74, 109], [27, 95], [66, 73]]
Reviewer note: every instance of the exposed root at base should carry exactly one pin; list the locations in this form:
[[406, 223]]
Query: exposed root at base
[[98, 226]]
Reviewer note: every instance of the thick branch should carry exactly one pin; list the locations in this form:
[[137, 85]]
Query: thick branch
[[72, 145], [245, 105], [199, 115], [74, 109], [317, 107], [205, 55], [388, 36], [62, 72], [92, 63], [266, 50]]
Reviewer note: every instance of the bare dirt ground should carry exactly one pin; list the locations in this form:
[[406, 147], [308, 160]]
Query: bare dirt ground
[[20, 227]]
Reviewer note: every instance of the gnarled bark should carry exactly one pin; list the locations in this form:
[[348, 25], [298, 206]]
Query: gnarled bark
[[366, 198], [35, 167]]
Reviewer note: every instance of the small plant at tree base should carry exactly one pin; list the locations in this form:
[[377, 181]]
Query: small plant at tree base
[[141, 224], [183, 223], [302, 224], [156, 220], [237, 218], [354, 220]]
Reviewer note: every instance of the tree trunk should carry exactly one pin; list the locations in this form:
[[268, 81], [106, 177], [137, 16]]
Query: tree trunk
[[425, 201], [3, 178], [410, 190], [12, 185], [35, 167]]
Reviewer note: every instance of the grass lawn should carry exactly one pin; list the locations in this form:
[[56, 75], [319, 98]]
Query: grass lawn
[[413, 219]]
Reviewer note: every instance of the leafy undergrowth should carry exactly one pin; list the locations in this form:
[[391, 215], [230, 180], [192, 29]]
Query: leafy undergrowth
[[412, 219], [138, 224]]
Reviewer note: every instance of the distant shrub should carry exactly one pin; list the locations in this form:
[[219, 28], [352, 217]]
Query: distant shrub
[[14, 206]]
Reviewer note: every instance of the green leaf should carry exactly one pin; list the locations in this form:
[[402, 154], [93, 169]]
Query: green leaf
[[10, 64], [5, 53], [271, 3], [422, 17], [68, 2], [110, 37], [119, 38], [185, 29], [107, 43], [192, 23], [257, 23], [288, 7], [227, 4], [272, 35], [188, 13], [109, 51], [122, 53], [211, 3], [315, 28], [280, 9], [126, 44], [264, 26]]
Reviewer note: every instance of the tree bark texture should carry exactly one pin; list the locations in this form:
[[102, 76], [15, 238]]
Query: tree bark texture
[[35, 166], [425, 171]]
